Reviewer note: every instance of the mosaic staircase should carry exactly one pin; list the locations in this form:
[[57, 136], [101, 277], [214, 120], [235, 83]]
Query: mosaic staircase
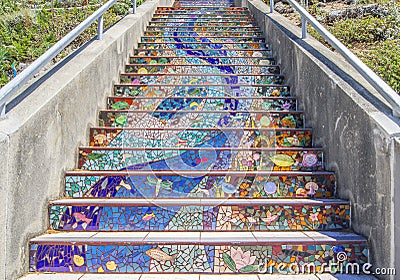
[[201, 163]]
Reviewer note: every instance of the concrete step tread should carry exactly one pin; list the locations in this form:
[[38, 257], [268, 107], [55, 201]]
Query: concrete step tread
[[204, 237], [189, 276], [195, 201]]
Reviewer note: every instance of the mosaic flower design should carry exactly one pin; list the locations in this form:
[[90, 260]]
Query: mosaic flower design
[[238, 259]]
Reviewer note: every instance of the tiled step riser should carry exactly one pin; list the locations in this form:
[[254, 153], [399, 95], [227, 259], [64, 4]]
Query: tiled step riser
[[140, 137], [191, 17], [192, 90], [231, 10], [153, 217], [207, 119], [198, 12], [201, 78], [231, 34], [195, 69], [202, 13], [205, 103], [180, 60], [202, 29], [181, 258], [195, 9], [202, 186], [217, 46], [225, 24], [196, 39], [195, 21], [205, 5], [203, 52], [187, 159]]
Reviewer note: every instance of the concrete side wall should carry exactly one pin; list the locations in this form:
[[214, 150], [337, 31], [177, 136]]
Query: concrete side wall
[[39, 138], [396, 205], [355, 130], [3, 198]]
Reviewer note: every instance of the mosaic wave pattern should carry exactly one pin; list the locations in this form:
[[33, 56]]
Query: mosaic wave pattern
[[201, 162]]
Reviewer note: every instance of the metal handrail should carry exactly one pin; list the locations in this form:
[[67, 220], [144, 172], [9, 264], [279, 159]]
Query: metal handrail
[[383, 88], [21, 79]]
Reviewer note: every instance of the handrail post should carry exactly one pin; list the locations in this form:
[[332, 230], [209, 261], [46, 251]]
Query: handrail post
[[134, 7], [303, 27], [271, 6], [100, 23]]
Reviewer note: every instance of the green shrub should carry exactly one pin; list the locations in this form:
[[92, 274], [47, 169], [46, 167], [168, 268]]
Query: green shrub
[[366, 30], [26, 34], [376, 40], [384, 59]]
